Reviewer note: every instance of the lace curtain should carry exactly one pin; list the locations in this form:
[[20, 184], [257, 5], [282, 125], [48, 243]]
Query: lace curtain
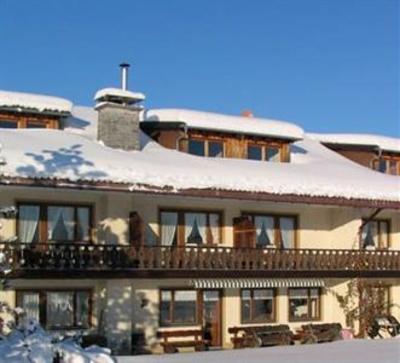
[[193, 220], [169, 222], [30, 304], [265, 230], [28, 222], [287, 232], [60, 223], [60, 309]]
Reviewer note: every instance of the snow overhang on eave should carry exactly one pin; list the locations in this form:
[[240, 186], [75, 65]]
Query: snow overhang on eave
[[201, 193], [35, 111]]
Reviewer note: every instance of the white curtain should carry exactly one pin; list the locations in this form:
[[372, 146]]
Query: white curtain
[[265, 225], [28, 222], [191, 219], [30, 304], [287, 232], [83, 224], [169, 222], [60, 309], [369, 235], [214, 228], [60, 223]]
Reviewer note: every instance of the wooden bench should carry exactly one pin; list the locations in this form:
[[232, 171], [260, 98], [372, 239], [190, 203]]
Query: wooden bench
[[194, 339], [319, 333], [260, 336]]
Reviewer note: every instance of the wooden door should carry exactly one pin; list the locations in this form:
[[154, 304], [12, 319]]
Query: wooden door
[[244, 232], [211, 316]]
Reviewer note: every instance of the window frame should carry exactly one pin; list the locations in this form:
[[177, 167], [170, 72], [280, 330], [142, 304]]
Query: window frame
[[172, 322], [265, 145], [380, 246], [375, 164], [277, 230], [319, 307], [252, 320], [43, 305], [180, 231], [206, 140], [43, 219], [22, 120]]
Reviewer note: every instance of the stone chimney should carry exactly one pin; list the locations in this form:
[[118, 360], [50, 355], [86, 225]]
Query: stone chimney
[[118, 120]]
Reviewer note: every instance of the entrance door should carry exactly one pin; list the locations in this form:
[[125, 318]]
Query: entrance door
[[212, 317]]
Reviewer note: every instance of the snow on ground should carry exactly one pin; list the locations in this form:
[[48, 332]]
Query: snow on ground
[[346, 351], [314, 170], [35, 102], [227, 123], [384, 142]]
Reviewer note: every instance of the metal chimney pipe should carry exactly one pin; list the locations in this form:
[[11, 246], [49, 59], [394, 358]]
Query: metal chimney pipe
[[124, 75]]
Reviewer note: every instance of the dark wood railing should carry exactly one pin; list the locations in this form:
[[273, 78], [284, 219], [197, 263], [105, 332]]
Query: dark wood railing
[[70, 257]]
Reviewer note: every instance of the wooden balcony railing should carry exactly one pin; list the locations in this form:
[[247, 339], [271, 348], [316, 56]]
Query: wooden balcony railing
[[70, 258]]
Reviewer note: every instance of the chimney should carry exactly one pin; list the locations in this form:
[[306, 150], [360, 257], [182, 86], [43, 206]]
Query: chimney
[[118, 119], [247, 113]]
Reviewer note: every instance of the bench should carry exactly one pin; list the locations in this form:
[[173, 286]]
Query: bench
[[319, 333], [383, 324], [194, 339], [260, 336]]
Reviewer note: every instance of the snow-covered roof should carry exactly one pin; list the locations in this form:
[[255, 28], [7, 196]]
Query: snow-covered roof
[[237, 124], [34, 102], [105, 93], [383, 142], [55, 154]]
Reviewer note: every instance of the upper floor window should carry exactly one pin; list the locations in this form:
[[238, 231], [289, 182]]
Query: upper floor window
[[61, 223], [190, 228], [375, 234], [265, 152], [12, 121], [257, 305], [275, 230], [208, 148], [388, 165], [57, 309], [304, 304]]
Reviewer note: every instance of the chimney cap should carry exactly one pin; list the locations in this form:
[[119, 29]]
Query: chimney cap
[[124, 65]]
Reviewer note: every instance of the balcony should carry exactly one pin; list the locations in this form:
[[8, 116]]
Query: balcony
[[65, 260]]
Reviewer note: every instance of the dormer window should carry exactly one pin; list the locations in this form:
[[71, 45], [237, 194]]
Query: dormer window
[[27, 121], [264, 152], [210, 148], [387, 164]]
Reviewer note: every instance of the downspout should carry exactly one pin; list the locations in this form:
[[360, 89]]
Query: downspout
[[378, 155], [182, 138]]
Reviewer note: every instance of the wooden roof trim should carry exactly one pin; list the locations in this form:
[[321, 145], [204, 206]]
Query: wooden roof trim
[[200, 193]]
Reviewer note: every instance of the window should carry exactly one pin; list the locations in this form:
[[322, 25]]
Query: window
[[196, 147], [375, 234], [264, 151], [258, 305], [210, 148], [190, 228], [7, 124], [275, 231], [388, 164], [57, 309], [304, 304], [36, 125], [254, 152], [41, 223], [178, 307]]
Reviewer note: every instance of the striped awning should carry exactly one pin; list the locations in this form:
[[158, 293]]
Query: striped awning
[[254, 283]]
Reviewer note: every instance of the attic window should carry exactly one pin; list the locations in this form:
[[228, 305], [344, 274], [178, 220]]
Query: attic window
[[388, 165], [27, 121]]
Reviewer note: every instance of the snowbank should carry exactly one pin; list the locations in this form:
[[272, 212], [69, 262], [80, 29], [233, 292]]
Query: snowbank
[[35, 102], [346, 351], [383, 142]]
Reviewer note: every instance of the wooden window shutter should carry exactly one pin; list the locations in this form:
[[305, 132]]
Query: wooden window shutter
[[244, 232], [136, 229]]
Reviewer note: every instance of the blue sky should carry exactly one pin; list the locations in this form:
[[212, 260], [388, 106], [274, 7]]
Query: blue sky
[[328, 65]]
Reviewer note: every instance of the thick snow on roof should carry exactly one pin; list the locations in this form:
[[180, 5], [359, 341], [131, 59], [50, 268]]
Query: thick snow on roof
[[118, 92], [314, 170], [383, 142], [40, 103], [227, 123]]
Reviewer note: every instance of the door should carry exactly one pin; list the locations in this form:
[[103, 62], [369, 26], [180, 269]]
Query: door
[[212, 317], [244, 232]]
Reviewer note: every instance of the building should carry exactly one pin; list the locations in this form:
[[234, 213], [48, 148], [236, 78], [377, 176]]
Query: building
[[133, 221]]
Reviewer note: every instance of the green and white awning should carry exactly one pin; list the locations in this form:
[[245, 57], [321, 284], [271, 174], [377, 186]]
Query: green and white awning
[[254, 283]]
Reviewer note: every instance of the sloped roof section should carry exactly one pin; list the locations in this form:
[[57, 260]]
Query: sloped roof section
[[385, 143], [226, 123], [314, 171], [34, 102]]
